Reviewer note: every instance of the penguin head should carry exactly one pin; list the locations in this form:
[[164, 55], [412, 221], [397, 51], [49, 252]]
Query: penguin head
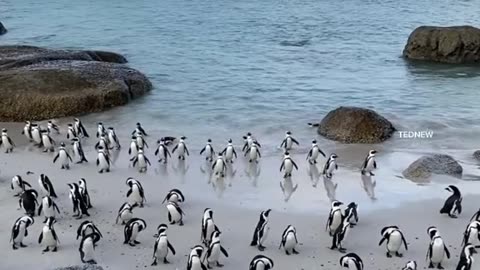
[[49, 121], [70, 125], [432, 231], [76, 120], [160, 229], [140, 150], [134, 138], [209, 140], [287, 154], [100, 148], [27, 122], [62, 144], [314, 141], [110, 128], [183, 138], [372, 152], [4, 130], [267, 212], [50, 222], [469, 249], [230, 141], [100, 124], [75, 139], [336, 204], [333, 156], [249, 134], [244, 137], [216, 234], [453, 189], [288, 133], [220, 155], [138, 124]]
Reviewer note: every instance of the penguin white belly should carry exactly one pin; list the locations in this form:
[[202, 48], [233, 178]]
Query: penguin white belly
[[126, 216], [46, 142], [48, 240], [75, 151], [21, 234], [336, 222], [196, 263], [210, 228], [219, 165], [288, 166], [315, 153], [214, 254], [288, 144], [135, 196], [6, 143], [229, 153], [140, 142], [174, 214], [161, 153], [133, 149], [48, 211], [26, 131], [290, 242], [208, 151], [370, 165], [351, 264], [394, 242], [63, 157], [265, 235], [141, 163], [473, 237], [88, 250], [111, 140], [181, 150], [438, 251], [135, 231], [36, 136], [16, 187], [102, 162], [174, 198], [253, 154], [162, 248], [331, 168]]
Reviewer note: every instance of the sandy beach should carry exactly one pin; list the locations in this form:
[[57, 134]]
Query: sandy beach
[[236, 203]]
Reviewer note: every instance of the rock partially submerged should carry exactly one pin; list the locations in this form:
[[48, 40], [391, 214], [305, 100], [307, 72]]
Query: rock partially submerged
[[355, 125], [476, 155], [81, 267], [456, 44], [3, 30], [423, 168], [38, 83]]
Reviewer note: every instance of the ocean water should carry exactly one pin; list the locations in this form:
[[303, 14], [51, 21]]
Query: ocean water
[[224, 68]]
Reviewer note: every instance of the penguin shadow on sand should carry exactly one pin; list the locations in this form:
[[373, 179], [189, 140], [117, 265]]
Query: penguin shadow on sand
[[219, 185], [369, 184], [230, 174], [253, 172], [207, 169], [314, 174], [162, 169], [330, 188], [181, 169], [288, 188]]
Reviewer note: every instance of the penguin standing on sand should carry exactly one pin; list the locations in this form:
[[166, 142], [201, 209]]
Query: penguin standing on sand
[[79, 205], [36, 136], [133, 150], [133, 227], [141, 162], [28, 200], [340, 235], [103, 160], [174, 195], [182, 148], [79, 128], [219, 167], [46, 186], [453, 205], [18, 185], [141, 142], [78, 150], [195, 261], [87, 227], [214, 249], [261, 262], [175, 213], [410, 265], [208, 226], [253, 153], [162, 152], [229, 152], [261, 231], [51, 127], [65, 158], [314, 152], [27, 131], [288, 142], [136, 193], [466, 258], [335, 218], [20, 231], [125, 213], [101, 129], [82, 183], [48, 237], [351, 261], [287, 165], [102, 142], [289, 240], [208, 150], [71, 133], [351, 214], [6, 142], [48, 206], [248, 141], [139, 130], [162, 246], [87, 248], [369, 164], [47, 142], [113, 140], [472, 233], [394, 238], [437, 250], [330, 166]]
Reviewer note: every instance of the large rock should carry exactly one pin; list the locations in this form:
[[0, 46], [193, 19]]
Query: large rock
[[81, 267], [423, 168], [456, 44], [3, 30], [355, 125], [38, 83]]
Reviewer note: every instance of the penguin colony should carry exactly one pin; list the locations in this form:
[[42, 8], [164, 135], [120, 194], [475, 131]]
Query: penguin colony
[[210, 252]]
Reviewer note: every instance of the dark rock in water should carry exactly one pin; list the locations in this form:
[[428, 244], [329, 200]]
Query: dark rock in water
[[355, 125], [476, 155], [421, 169], [38, 83], [299, 43], [3, 30], [81, 267], [456, 44]]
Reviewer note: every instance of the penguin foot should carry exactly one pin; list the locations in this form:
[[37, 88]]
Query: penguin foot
[[45, 250], [108, 170], [372, 174], [92, 262], [286, 252], [136, 242], [54, 249], [165, 261], [453, 216], [154, 263], [399, 255], [181, 223], [22, 245], [209, 266], [131, 244], [14, 247], [261, 248], [439, 266], [219, 264], [295, 252], [389, 255], [430, 265], [342, 250], [100, 171]]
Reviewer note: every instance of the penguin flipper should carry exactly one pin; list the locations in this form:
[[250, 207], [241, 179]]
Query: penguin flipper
[[383, 239], [40, 209], [40, 238], [224, 251], [56, 157], [171, 247], [404, 241], [447, 252]]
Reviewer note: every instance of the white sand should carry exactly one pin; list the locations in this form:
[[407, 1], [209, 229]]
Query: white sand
[[236, 211]]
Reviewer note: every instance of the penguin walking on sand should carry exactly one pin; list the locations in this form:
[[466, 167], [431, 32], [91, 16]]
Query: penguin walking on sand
[[182, 149], [369, 164], [208, 227], [351, 214], [78, 151], [133, 227], [114, 142], [453, 205], [48, 237], [289, 240], [18, 185], [162, 246], [63, 157], [437, 250], [208, 150], [340, 235], [175, 213], [125, 213], [141, 142], [314, 152], [261, 262], [229, 152], [79, 128], [47, 142], [46, 186], [335, 218], [27, 131], [330, 166], [28, 200], [87, 248], [253, 153], [410, 265], [79, 205], [71, 133], [141, 162], [261, 231], [394, 238], [195, 261], [162, 152], [219, 167], [472, 234], [351, 261], [249, 140], [87, 227], [36, 135], [287, 165], [136, 193], [214, 249], [139, 130], [52, 128], [103, 160], [466, 258], [174, 195], [6, 142], [133, 149], [82, 183], [288, 142], [20, 231], [48, 206], [100, 129]]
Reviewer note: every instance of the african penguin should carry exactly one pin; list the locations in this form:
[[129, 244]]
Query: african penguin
[[79, 128], [175, 213], [208, 150], [182, 148], [48, 206], [87, 247], [102, 142], [229, 152], [288, 142], [139, 130], [330, 166], [27, 131], [87, 227], [20, 231], [133, 227], [18, 185], [335, 218], [466, 257], [162, 152], [133, 150], [28, 200], [125, 213], [47, 142], [79, 205], [52, 127], [287, 165], [369, 164], [340, 235], [140, 161], [101, 129], [249, 140], [48, 237], [394, 238], [314, 152], [261, 262], [103, 160], [472, 233], [453, 204], [71, 133], [113, 140], [214, 249], [82, 183], [289, 240], [174, 195], [136, 193], [351, 261], [261, 230], [437, 250], [351, 213], [208, 226], [78, 150], [6, 142], [46, 186], [64, 157], [141, 141], [195, 261], [410, 265], [219, 167], [36, 136], [253, 152], [162, 245]]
